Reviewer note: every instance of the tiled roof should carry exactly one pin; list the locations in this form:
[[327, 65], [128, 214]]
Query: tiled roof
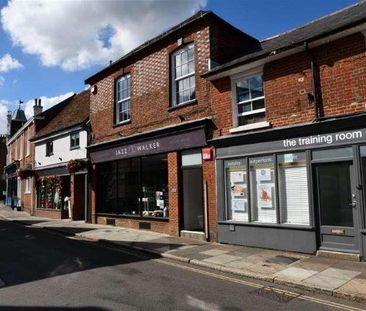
[[75, 112], [327, 25]]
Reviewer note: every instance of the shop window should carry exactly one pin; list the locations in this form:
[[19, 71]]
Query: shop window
[[338, 153], [263, 192], [183, 76], [123, 99], [49, 148], [191, 158], [75, 140], [249, 100], [134, 187], [236, 190], [128, 187], [293, 189]]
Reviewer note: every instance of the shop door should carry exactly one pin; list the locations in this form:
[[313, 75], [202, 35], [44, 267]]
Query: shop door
[[192, 199], [337, 206]]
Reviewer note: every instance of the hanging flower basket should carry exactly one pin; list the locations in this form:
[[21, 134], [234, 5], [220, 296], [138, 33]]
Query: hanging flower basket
[[25, 173], [76, 165]]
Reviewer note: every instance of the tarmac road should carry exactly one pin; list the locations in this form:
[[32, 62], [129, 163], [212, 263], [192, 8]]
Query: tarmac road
[[40, 270]]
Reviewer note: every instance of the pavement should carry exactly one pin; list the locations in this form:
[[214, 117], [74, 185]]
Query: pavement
[[335, 277]]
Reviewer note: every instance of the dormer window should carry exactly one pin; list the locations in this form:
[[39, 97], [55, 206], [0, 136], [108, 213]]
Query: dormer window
[[183, 76], [248, 100], [123, 99]]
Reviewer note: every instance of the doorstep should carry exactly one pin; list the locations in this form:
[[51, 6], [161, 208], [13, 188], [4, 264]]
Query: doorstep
[[339, 255], [194, 235]]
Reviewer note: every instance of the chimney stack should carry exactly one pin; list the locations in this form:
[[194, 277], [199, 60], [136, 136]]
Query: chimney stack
[[37, 108], [8, 116]]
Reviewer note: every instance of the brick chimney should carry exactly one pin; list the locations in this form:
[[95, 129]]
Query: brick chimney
[[8, 116], [37, 108]]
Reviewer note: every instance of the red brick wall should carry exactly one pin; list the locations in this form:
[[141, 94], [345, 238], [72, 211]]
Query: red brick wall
[[52, 213], [342, 70]]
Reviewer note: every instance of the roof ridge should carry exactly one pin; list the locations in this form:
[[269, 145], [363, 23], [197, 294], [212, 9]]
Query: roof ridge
[[312, 21]]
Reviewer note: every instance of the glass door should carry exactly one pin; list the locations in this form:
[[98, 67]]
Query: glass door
[[337, 206]]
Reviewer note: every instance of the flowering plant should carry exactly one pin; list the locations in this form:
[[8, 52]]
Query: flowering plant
[[76, 165], [48, 187]]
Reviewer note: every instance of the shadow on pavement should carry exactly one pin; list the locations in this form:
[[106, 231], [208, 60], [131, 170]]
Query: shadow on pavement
[[21, 308]]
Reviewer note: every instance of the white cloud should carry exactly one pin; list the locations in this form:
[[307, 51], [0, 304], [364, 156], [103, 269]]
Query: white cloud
[[2, 80], [8, 63], [3, 113], [77, 34], [47, 102]]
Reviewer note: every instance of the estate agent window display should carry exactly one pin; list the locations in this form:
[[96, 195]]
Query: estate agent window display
[[270, 189]]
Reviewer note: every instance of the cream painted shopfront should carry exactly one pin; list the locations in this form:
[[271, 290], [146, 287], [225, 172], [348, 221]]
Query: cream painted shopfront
[[300, 188]]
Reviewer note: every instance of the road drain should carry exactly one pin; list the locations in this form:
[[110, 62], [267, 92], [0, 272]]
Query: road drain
[[275, 294]]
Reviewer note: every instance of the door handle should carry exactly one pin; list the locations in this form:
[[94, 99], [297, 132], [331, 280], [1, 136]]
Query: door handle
[[353, 204]]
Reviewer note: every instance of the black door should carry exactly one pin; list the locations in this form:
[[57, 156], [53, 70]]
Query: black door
[[192, 199], [337, 206]]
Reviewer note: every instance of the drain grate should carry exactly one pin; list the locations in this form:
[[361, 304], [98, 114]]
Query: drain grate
[[276, 294], [282, 260]]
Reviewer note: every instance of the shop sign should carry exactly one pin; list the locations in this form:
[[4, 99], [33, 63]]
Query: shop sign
[[191, 139], [325, 139]]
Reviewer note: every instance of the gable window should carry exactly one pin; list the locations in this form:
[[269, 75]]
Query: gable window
[[75, 140], [249, 100], [123, 99], [183, 76], [49, 148]]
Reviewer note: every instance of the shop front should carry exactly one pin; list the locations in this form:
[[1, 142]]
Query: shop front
[[138, 180], [299, 189], [60, 194], [12, 186]]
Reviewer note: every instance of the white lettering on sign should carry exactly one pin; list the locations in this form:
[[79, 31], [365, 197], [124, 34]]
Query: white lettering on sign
[[138, 148], [322, 139]]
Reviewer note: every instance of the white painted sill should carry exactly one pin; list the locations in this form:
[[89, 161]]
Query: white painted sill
[[249, 127]]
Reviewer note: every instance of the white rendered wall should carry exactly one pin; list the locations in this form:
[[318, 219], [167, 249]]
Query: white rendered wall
[[61, 149]]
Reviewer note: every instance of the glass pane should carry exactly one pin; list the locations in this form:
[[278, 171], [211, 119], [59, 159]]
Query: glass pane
[[184, 69], [245, 107], [263, 201], [186, 84], [332, 153], [191, 158], [177, 60], [107, 183], [258, 104], [180, 85], [256, 86], [192, 81], [178, 71], [128, 187], [335, 196], [191, 67], [191, 53], [184, 57], [192, 94], [155, 197], [237, 191], [242, 91], [253, 118], [293, 188]]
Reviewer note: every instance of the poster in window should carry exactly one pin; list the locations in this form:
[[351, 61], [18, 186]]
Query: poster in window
[[263, 174], [237, 176], [238, 190], [238, 206], [265, 196]]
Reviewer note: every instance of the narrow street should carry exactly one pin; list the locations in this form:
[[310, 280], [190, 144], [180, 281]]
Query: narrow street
[[40, 270]]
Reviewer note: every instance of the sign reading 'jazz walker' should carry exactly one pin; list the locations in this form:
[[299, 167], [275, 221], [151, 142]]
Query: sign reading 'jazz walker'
[[189, 139], [325, 139]]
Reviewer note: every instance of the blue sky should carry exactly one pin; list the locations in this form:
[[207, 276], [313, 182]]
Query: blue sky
[[52, 46]]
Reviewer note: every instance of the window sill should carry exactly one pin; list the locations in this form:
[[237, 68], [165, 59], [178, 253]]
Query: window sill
[[249, 127], [268, 225], [188, 103], [137, 217], [122, 123]]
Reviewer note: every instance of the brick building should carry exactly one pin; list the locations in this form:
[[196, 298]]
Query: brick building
[[290, 139], [150, 116]]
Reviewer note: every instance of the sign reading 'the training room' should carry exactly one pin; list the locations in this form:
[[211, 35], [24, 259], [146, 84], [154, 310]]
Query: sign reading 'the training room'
[[325, 139]]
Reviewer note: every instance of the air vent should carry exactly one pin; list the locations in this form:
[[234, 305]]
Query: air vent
[[145, 225], [111, 221]]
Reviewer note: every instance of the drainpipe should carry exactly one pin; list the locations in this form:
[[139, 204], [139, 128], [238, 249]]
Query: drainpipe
[[314, 86]]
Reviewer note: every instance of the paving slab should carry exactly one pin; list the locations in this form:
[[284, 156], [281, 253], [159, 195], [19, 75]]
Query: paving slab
[[355, 287], [221, 259], [214, 252], [293, 274], [331, 278]]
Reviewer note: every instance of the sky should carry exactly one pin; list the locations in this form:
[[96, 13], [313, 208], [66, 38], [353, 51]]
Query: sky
[[49, 47]]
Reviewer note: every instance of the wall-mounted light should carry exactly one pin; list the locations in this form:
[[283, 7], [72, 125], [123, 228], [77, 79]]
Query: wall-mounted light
[[60, 158], [39, 163]]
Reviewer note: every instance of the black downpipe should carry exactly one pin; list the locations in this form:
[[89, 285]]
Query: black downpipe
[[314, 85]]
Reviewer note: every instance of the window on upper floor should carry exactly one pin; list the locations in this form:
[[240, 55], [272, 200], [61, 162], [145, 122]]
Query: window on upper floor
[[123, 99], [28, 143], [21, 147], [183, 82], [49, 148], [75, 140], [249, 106]]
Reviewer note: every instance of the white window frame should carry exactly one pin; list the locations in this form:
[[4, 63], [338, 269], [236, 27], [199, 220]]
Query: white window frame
[[175, 80], [28, 185], [21, 149], [245, 76], [28, 143], [119, 103], [74, 136], [16, 150]]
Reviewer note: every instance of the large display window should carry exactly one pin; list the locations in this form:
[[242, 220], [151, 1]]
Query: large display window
[[134, 187], [270, 189]]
